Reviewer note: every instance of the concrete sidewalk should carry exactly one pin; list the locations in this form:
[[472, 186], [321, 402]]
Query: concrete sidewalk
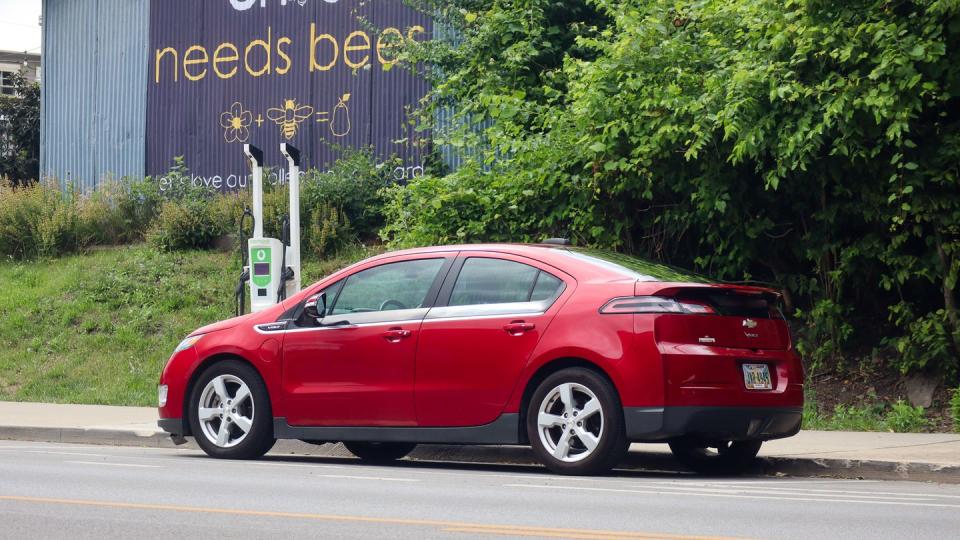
[[911, 456]]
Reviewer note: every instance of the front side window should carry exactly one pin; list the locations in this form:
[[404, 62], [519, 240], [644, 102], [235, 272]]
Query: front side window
[[331, 293], [497, 281], [401, 285]]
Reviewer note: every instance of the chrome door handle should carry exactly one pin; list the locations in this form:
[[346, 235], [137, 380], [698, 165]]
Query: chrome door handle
[[517, 328], [396, 334]]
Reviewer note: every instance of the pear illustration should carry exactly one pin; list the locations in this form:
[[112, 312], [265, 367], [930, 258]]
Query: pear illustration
[[340, 123]]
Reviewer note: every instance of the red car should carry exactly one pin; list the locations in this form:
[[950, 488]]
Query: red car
[[575, 352]]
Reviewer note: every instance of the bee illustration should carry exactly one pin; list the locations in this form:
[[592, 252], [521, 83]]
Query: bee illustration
[[289, 117]]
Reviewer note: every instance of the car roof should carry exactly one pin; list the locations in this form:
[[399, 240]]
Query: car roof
[[579, 262]]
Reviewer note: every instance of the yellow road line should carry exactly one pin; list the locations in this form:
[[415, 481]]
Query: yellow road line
[[444, 525], [564, 533]]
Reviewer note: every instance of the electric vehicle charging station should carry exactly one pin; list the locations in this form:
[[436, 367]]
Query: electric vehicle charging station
[[272, 265], [293, 184]]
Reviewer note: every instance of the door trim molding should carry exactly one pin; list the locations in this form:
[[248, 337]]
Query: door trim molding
[[504, 430]]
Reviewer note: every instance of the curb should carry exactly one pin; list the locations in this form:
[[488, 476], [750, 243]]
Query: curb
[[862, 469], [115, 437], [765, 466], [518, 456]]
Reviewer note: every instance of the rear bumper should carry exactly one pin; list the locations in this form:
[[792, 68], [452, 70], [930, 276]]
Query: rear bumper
[[653, 424]]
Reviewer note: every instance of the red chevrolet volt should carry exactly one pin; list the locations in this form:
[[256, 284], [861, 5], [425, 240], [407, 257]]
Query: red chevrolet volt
[[575, 352]]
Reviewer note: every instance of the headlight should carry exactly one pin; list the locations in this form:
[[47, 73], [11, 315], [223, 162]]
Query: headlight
[[162, 395], [187, 343]]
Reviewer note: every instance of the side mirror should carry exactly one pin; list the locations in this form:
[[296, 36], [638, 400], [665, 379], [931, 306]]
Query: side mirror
[[316, 306]]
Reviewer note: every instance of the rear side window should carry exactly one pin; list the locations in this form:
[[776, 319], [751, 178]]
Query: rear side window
[[498, 281], [545, 288]]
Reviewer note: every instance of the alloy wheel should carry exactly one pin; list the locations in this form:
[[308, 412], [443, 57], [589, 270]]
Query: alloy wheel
[[225, 410], [570, 421]]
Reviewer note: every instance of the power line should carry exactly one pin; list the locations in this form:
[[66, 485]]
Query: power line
[[20, 24], [18, 51]]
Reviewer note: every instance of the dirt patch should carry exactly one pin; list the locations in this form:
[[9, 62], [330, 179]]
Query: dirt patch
[[873, 382]]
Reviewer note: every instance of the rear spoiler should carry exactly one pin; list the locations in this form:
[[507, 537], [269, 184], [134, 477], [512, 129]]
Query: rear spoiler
[[669, 289]]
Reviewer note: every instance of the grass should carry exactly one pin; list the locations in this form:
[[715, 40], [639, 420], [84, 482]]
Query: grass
[[955, 409], [98, 327], [873, 415]]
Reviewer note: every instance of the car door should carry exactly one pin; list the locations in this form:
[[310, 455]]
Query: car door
[[491, 313], [356, 368]]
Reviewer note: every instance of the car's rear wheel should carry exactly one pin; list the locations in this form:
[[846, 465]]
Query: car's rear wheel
[[575, 423], [717, 457], [229, 411], [380, 452]]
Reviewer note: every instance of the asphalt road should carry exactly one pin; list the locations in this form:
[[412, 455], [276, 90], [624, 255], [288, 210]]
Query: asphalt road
[[72, 491]]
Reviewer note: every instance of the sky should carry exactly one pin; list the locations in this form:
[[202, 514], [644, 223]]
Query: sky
[[19, 25]]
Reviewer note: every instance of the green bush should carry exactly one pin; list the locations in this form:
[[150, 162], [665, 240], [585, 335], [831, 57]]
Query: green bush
[[20, 131], [925, 340], [276, 204], [186, 224], [826, 330], [57, 225], [810, 145], [853, 418], [354, 184], [192, 216], [955, 409], [905, 418], [119, 212], [38, 220], [812, 419], [336, 207], [329, 231], [41, 220]]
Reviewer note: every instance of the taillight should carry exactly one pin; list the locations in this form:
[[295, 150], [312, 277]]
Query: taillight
[[656, 304]]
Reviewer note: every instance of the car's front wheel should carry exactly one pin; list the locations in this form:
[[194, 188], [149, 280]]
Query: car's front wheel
[[575, 423], [718, 457], [379, 452], [230, 414]]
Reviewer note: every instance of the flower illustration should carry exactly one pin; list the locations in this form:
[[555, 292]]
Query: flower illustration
[[236, 124]]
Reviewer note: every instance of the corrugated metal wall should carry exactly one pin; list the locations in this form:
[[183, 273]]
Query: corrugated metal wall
[[445, 119], [93, 116]]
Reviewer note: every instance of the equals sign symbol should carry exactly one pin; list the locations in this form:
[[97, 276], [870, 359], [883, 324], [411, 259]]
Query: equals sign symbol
[[322, 116]]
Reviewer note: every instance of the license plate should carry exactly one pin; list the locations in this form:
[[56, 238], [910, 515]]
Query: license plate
[[757, 377]]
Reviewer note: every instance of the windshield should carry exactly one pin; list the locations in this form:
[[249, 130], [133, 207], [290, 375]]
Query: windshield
[[635, 267]]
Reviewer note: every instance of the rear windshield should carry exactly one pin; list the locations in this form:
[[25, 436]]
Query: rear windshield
[[635, 267], [732, 303]]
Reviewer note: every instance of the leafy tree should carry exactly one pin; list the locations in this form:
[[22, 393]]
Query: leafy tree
[[20, 132], [805, 143]]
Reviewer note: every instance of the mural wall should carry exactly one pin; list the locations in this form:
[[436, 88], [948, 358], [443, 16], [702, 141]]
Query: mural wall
[[319, 74]]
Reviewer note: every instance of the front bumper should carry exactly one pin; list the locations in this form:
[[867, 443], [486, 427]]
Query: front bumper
[[656, 424], [173, 426]]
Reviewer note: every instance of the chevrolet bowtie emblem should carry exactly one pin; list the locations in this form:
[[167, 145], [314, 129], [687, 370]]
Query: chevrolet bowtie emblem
[[749, 323]]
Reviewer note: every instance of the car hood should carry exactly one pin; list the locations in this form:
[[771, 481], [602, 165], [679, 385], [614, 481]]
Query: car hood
[[223, 325]]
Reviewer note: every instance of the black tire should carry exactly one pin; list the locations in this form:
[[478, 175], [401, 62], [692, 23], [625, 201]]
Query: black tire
[[379, 452], [725, 457], [259, 438], [612, 442]]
